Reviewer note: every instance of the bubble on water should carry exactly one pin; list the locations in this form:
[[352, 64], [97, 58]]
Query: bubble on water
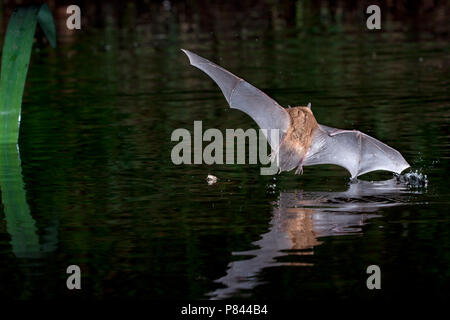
[[210, 179], [414, 179], [271, 187]]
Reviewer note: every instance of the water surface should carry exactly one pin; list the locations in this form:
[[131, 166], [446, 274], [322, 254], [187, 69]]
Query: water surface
[[93, 184]]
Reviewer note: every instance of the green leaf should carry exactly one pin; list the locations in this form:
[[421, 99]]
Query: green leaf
[[15, 61], [45, 20]]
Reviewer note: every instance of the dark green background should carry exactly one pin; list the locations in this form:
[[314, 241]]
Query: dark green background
[[95, 146]]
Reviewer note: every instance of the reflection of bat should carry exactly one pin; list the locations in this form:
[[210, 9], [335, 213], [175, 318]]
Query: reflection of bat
[[303, 141], [299, 223]]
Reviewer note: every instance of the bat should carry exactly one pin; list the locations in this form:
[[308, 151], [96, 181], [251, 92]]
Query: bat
[[301, 140]]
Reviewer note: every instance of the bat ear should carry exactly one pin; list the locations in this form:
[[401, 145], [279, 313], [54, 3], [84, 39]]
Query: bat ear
[[309, 106]]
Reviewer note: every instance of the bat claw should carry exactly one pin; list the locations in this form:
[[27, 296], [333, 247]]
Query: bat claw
[[300, 167]]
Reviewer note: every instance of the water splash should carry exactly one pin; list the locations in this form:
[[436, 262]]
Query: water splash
[[414, 179]]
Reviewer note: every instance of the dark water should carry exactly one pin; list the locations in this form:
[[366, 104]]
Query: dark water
[[96, 186]]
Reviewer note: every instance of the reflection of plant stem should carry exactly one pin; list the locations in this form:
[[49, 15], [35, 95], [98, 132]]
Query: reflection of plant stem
[[20, 224]]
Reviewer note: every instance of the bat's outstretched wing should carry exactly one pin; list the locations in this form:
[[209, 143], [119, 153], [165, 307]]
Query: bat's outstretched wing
[[266, 112], [355, 151]]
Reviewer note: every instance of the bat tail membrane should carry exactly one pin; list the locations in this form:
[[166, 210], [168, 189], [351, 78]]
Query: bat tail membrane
[[353, 150], [241, 95], [288, 158]]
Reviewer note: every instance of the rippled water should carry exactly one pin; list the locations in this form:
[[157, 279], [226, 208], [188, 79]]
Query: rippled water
[[94, 185]]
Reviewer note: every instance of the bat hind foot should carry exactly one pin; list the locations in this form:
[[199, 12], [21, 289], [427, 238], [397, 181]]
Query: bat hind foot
[[300, 167]]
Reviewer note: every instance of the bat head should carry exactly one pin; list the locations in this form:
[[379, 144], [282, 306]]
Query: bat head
[[302, 113]]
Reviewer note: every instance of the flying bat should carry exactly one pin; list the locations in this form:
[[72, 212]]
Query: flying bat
[[301, 140]]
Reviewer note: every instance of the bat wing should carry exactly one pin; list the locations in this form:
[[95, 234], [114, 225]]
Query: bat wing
[[266, 112], [355, 151]]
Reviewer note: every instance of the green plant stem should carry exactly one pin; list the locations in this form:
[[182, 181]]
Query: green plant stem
[[15, 61]]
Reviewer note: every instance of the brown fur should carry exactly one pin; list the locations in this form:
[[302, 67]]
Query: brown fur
[[298, 138]]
